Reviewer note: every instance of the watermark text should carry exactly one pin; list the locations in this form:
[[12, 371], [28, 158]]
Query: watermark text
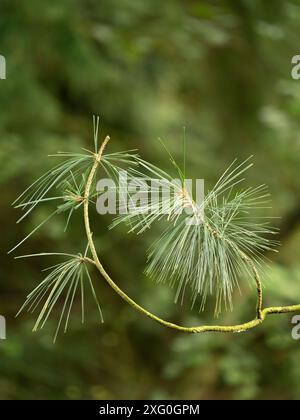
[[148, 196], [2, 328], [2, 67], [296, 328]]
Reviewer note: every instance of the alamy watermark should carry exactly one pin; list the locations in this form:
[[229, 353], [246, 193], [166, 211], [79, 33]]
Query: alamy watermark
[[2, 67], [296, 67], [145, 196], [296, 328], [2, 328]]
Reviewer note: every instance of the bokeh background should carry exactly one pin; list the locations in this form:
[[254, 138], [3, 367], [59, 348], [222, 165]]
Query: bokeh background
[[148, 68]]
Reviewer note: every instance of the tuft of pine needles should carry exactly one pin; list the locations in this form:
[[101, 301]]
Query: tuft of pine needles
[[68, 178], [61, 285], [205, 249]]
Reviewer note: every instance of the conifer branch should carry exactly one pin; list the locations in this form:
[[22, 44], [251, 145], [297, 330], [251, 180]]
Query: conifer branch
[[209, 255], [260, 313]]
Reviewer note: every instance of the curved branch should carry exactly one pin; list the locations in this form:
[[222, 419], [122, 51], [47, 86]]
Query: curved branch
[[261, 313]]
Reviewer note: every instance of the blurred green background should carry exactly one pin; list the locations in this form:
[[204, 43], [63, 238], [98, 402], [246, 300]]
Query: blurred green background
[[148, 68]]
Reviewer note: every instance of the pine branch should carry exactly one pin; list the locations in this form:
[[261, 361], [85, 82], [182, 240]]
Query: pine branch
[[209, 256]]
